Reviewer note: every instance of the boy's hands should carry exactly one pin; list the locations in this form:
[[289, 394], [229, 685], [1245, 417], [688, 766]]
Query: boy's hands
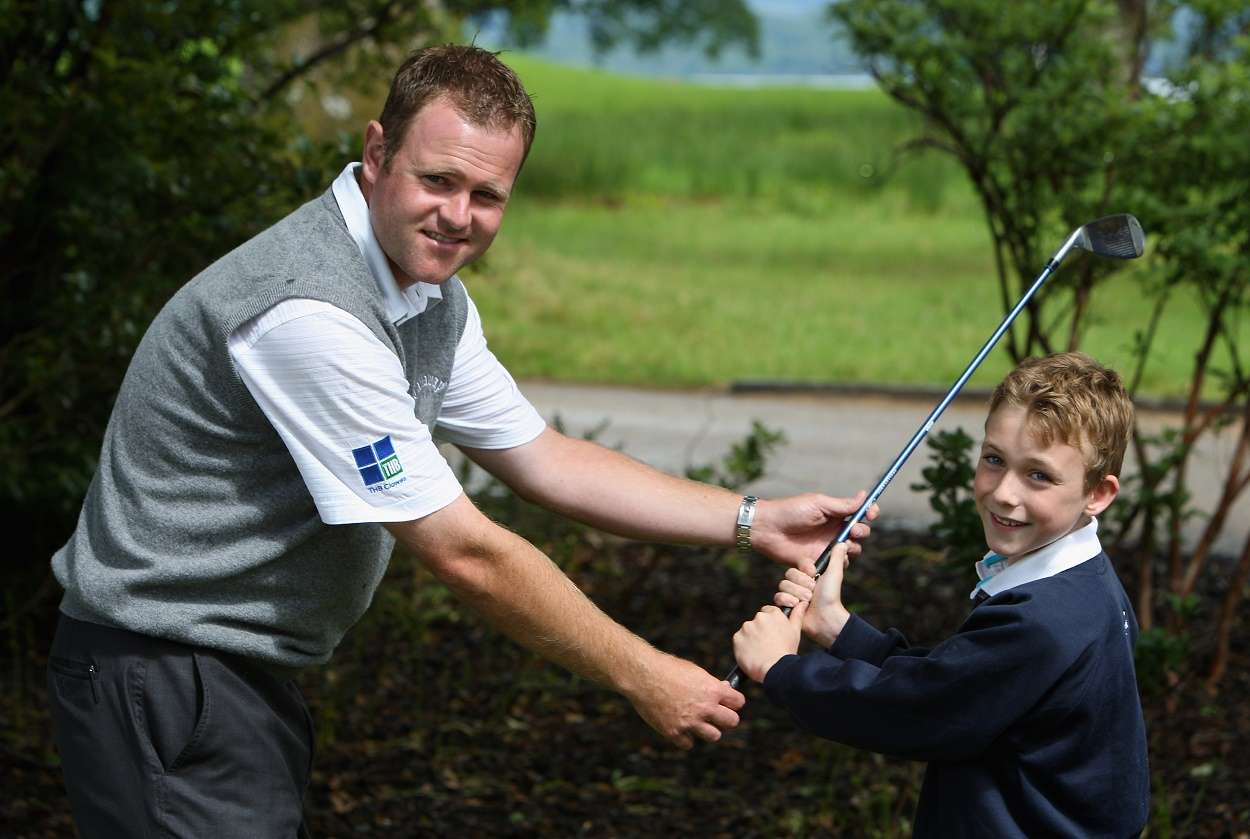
[[825, 616], [817, 612], [766, 638]]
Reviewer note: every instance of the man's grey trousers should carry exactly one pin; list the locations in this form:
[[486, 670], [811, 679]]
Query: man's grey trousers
[[161, 739]]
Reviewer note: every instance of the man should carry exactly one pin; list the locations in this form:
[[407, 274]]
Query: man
[[280, 408]]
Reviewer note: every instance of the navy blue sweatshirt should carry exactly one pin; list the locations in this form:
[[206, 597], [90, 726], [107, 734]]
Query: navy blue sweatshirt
[[1029, 715]]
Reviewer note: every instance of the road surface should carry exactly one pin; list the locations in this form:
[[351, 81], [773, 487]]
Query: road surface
[[836, 443]]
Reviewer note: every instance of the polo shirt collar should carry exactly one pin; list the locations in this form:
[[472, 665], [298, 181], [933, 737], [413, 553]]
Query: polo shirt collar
[[997, 576], [401, 303]]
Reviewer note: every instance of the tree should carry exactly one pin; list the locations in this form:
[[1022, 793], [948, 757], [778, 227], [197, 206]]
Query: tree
[[1046, 110], [1033, 105], [1192, 173]]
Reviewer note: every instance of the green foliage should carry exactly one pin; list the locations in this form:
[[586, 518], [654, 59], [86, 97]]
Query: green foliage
[[1191, 173], [1148, 495], [1159, 656], [1033, 105], [649, 24], [746, 460], [610, 138], [948, 480]]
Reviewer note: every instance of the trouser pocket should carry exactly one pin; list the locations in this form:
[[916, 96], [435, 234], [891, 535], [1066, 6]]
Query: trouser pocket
[[74, 678], [174, 704], [177, 741], [243, 770]]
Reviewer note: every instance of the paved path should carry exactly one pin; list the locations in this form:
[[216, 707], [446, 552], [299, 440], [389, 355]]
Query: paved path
[[836, 443]]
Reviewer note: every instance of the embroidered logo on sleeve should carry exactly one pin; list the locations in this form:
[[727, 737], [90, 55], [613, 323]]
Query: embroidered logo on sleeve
[[378, 465]]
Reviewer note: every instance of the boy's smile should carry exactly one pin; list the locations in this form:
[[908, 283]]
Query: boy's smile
[[1029, 495]]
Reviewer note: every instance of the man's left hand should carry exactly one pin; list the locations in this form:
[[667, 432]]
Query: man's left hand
[[793, 531]]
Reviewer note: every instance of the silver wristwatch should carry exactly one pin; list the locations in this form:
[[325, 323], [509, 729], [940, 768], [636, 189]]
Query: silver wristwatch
[[746, 515]]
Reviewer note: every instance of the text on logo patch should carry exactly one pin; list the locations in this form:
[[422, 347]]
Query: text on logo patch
[[377, 463]]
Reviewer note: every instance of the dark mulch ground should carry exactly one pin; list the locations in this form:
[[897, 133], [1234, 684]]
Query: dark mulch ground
[[431, 725]]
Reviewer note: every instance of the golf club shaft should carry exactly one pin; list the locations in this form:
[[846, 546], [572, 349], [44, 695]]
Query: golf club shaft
[[735, 675]]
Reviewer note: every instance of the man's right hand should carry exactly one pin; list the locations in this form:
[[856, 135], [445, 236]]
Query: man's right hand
[[523, 594], [682, 701]]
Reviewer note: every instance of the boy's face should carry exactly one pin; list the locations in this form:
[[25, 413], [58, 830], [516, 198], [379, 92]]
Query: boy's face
[[1029, 495]]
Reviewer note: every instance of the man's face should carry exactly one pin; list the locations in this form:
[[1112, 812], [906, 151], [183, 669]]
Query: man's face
[[1029, 495], [440, 203]]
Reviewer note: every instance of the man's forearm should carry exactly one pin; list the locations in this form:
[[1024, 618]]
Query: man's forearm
[[615, 493], [524, 595]]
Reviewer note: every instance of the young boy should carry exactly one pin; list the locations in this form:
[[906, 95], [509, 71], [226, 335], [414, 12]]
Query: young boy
[[1029, 714]]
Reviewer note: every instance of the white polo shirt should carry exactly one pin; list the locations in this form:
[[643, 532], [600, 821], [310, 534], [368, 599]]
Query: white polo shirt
[[997, 575], [338, 396]]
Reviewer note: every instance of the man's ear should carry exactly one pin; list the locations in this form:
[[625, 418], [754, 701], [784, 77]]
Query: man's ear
[[1101, 496], [373, 157]]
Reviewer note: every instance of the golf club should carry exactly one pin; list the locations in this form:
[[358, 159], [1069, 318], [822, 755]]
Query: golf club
[[1119, 236]]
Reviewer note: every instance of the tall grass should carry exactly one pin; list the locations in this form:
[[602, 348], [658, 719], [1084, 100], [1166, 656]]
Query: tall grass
[[607, 137], [680, 294]]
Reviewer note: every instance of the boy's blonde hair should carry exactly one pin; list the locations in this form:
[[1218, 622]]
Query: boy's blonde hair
[[1071, 398]]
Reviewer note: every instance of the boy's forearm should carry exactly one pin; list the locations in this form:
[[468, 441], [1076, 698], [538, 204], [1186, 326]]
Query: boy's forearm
[[828, 625], [827, 614], [860, 640]]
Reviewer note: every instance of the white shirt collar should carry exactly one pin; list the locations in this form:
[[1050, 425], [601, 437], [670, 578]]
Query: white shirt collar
[[997, 576], [401, 303]]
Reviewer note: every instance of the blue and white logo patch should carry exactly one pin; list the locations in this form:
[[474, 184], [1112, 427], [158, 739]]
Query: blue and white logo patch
[[378, 464]]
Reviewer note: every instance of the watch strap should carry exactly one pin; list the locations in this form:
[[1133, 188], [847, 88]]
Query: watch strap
[[746, 517]]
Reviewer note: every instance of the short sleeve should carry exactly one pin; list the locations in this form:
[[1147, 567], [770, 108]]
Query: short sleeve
[[338, 398], [483, 408]]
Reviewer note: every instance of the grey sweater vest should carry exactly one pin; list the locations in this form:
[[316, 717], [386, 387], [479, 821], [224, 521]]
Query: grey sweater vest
[[197, 526]]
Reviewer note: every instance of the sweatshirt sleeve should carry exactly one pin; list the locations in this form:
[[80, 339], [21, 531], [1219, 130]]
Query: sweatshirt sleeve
[[861, 640], [947, 703]]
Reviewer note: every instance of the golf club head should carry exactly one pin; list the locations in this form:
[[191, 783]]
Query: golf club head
[[1119, 236]]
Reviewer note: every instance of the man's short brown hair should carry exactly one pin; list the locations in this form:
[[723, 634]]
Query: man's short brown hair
[[477, 84], [1071, 398]]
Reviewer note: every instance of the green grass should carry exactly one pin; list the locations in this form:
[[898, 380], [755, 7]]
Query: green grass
[[605, 136], [674, 294], [677, 235]]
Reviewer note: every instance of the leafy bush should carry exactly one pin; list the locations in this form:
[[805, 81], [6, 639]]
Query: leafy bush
[[745, 461], [948, 480]]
